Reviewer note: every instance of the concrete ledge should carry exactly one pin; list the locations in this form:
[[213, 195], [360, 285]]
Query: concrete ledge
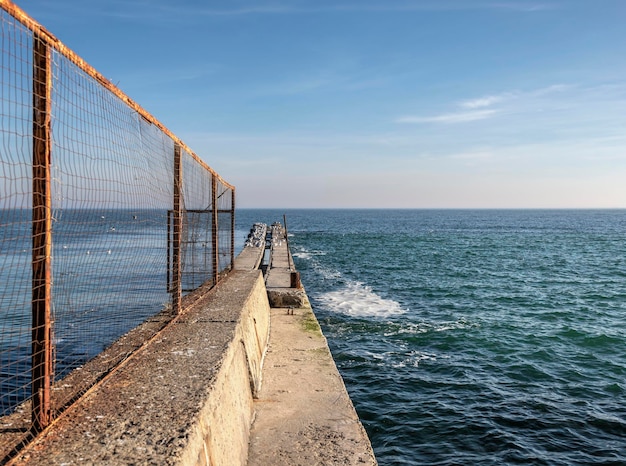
[[286, 297], [249, 258], [185, 398]]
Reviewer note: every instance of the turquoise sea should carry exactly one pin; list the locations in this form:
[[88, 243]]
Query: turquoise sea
[[473, 337]]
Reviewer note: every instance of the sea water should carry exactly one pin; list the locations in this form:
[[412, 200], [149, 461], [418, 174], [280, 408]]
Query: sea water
[[473, 337], [109, 274], [464, 337]]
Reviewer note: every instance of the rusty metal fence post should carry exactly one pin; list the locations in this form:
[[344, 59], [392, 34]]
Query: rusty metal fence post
[[214, 227], [42, 237], [232, 228], [177, 236]]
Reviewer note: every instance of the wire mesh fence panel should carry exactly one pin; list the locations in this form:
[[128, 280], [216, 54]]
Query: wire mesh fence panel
[[198, 238], [208, 225], [226, 226], [197, 249], [16, 108], [96, 209], [111, 176]]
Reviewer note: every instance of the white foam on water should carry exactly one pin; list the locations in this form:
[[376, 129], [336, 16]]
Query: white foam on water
[[425, 327], [322, 271], [413, 359], [327, 274], [358, 300], [402, 359], [302, 255], [306, 254]]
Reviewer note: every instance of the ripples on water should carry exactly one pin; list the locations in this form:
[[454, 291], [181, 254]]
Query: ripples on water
[[475, 337]]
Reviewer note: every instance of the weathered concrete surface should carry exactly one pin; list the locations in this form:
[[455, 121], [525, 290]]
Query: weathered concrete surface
[[186, 398], [304, 415], [250, 258]]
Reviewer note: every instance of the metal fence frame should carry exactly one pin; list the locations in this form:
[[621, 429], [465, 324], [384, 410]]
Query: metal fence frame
[[42, 238]]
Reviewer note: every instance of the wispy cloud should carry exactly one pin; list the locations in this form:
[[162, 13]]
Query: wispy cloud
[[457, 117], [245, 8], [486, 101], [551, 89], [489, 100], [488, 106], [165, 11], [379, 6]]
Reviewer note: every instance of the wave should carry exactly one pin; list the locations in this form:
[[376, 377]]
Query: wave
[[310, 257], [416, 328], [354, 298], [358, 300], [412, 359], [305, 254]]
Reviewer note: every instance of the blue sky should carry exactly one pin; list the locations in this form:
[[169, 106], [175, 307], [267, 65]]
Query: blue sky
[[376, 103]]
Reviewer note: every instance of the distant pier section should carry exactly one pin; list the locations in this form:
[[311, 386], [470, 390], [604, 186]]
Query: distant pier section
[[243, 377]]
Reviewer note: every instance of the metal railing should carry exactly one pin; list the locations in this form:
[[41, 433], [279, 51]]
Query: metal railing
[[106, 219]]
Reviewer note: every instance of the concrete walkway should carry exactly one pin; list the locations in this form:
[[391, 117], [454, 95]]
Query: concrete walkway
[[304, 415]]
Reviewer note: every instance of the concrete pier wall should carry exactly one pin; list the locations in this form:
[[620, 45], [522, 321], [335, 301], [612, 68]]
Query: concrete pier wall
[[184, 399], [221, 433]]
